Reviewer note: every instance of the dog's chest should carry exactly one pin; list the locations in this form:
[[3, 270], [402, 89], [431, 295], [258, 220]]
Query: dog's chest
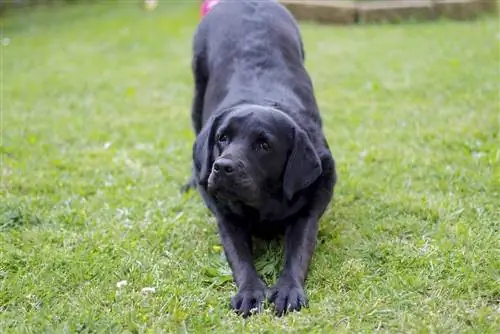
[[271, 220], [270, 223], [267, 229]]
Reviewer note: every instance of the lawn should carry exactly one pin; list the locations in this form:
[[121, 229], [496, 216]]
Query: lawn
[[96, 140]]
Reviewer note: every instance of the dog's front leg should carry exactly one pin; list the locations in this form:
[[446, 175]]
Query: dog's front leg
[[237, 243], [300, 242]]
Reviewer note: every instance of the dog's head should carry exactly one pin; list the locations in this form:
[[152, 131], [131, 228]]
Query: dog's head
[[246, 152]]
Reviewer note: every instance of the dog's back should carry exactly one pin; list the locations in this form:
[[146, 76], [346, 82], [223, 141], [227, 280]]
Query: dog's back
[[252, 52]]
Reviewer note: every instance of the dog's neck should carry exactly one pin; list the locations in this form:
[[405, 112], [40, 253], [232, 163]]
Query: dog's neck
[[280, 208], [272, 207]]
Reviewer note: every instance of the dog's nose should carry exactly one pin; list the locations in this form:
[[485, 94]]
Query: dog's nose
[[224, 166]]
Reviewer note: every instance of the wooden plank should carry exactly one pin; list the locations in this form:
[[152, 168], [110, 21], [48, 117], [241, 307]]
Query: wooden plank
[[392, 11], [488, 6], [323, 11], [457, 9], [395, 11]]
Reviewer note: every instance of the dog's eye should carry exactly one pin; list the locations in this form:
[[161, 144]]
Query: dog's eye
[[264, 145], [222, 139]]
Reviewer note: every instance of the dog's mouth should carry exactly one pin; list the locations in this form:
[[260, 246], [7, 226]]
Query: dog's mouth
[[221, 189], [228, 190], [223, 193]]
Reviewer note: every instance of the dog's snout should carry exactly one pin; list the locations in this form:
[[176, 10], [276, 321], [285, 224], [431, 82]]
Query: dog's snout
[[224, 166]]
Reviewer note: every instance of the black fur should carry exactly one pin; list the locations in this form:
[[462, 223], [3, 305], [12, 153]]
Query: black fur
[[260, 160]]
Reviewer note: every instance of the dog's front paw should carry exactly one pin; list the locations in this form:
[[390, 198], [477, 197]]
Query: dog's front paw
[[287, 296], [249, 299]]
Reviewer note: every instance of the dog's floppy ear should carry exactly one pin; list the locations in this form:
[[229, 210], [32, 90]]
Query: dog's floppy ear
[[303, 166], [203, 152], [203, 147]]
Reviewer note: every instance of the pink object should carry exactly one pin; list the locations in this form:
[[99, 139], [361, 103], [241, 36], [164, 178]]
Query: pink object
[[207, 5]]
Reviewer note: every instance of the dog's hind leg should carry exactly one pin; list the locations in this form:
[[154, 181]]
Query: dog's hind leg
[[200, 84]]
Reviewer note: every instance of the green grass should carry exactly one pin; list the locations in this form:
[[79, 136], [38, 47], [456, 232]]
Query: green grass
[[96, 140]]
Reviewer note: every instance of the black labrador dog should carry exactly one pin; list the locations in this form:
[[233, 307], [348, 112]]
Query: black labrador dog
[[260, 160]]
